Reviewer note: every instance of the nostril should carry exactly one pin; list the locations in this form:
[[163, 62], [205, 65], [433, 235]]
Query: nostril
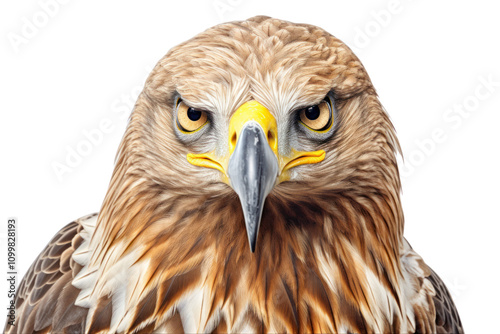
[[271, 138], [233, 139]]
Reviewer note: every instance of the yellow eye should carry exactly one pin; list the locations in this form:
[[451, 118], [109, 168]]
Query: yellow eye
[[190, 119], [318, 117]]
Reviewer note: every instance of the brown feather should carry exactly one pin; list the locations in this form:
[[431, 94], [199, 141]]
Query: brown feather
[[447, 318], [45, 291]]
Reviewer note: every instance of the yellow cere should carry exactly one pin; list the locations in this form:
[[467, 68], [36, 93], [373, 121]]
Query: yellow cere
[[253, 111]]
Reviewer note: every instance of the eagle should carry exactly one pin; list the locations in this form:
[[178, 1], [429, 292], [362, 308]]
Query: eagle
[[256, 189]]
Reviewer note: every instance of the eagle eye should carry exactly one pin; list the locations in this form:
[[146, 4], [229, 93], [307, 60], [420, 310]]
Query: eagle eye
[[319, 117], [190, 119]]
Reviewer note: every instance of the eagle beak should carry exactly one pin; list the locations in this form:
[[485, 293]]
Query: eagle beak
[[254, 165]]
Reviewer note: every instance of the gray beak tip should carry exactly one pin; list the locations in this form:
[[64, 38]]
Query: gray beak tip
[[252, 246], [252, 232]]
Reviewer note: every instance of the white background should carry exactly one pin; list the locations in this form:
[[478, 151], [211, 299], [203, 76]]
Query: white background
[[85, 63]]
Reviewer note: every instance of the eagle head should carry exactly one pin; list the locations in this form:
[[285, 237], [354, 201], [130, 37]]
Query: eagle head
[[281, 116]]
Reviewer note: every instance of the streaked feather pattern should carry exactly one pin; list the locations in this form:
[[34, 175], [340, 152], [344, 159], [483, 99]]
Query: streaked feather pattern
[[169, 252]]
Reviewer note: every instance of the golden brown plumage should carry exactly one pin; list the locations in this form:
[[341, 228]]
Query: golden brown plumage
[[169, 251]]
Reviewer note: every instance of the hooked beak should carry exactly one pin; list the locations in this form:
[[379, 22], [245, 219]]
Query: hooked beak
[[253, 165], [252, 170]]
